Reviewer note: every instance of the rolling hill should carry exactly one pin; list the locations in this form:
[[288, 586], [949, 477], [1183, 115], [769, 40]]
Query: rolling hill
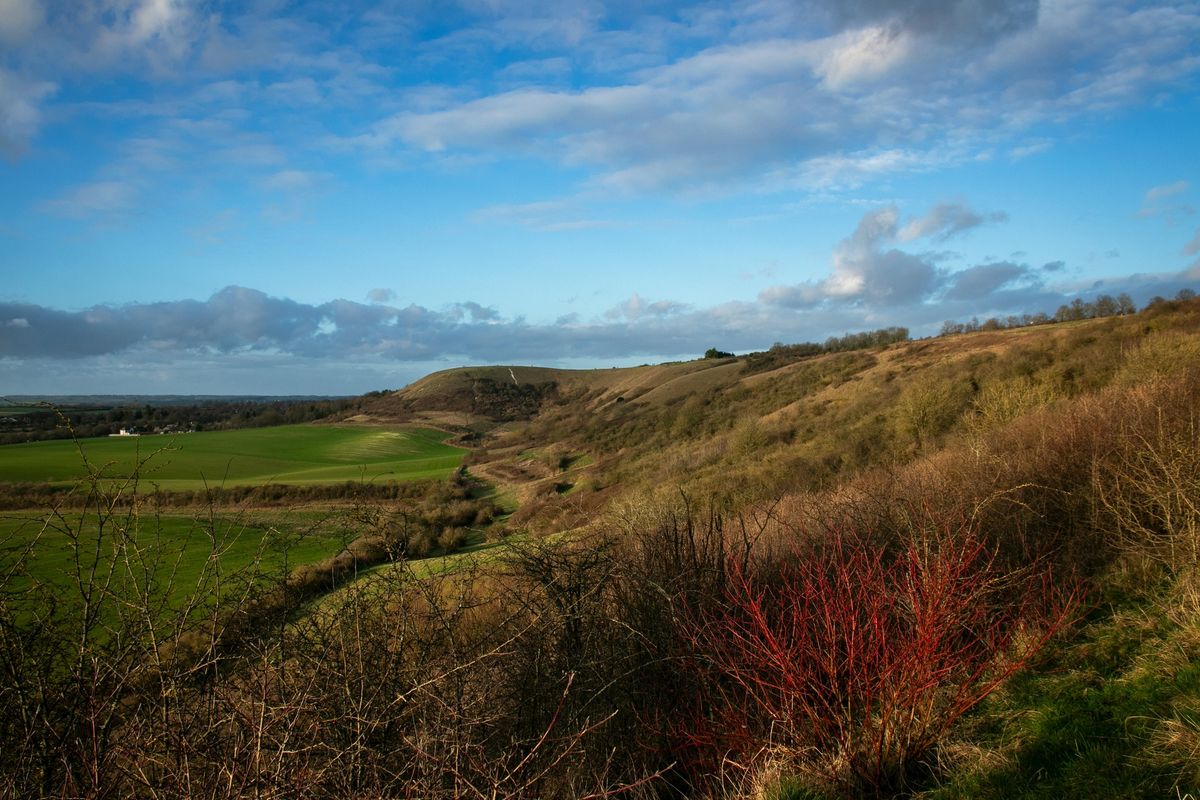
[[958, 567]]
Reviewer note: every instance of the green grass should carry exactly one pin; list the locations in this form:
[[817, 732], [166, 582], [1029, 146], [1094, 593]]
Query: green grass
[[293, 454], [1081, 725], [57, 552]]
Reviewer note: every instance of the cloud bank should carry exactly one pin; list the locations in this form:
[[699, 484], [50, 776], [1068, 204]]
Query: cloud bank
[[871, 282]]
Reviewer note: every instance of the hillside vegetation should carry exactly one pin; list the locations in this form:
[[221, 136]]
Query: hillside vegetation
[[960, 567]]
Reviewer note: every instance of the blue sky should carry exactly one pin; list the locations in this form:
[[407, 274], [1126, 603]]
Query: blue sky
[[290, 197]]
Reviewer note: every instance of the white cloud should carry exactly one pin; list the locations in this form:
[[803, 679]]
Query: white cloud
[[945, 220], [868, 272], [1162, 201], [863, 271], [1024, 151], [636, 308], [865, 55], [549, 216], [1166, 190], [162, 32], [1193, 247], [99, 199], [891, 88], [293, 180], [978, 282], [712, 98], [217, 227], [20, 111], [247, 329], [19, 20]]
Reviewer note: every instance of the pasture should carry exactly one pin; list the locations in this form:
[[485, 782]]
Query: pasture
[[173, 558], [290, 454]]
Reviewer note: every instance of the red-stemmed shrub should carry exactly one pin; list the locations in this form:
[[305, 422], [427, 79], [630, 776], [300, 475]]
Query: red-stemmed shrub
[[848, 665]]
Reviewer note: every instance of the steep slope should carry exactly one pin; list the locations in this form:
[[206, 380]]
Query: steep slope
[[564, 443]]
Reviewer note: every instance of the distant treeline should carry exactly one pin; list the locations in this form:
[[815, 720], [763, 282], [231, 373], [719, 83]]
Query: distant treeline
[[1103, 306], [33, 424], [780, 353]]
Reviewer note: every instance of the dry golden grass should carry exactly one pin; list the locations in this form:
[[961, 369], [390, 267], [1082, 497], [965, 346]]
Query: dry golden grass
[[1175, 743]]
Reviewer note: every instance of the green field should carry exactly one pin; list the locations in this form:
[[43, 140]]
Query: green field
[[179, 555], [293, 454]]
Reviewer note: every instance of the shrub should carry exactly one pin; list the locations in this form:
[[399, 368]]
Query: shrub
[[1148, 485], [852, 666], [452, 539], [1001, 402], [928, 409]]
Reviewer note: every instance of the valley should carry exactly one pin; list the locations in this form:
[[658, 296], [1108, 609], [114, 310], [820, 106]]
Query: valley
[[496, 575]]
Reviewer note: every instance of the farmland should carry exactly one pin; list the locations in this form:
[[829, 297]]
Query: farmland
[[291, 454], [181, 548], [178, 553]]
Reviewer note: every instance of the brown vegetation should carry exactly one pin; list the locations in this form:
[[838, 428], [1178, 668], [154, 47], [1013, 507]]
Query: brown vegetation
[[815, 573]]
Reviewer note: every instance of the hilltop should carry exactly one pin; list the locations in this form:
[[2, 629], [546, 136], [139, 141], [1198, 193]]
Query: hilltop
[[566, 443]]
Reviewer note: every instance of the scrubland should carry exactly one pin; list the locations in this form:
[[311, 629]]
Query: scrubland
[[958, 567]]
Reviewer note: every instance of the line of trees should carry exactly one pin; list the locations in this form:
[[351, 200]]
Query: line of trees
[[781, 353], [1104, 305], [89, 421]]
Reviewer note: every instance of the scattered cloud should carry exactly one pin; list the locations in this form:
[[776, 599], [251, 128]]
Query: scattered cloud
[[548, 216], [884, 88], [240, 327], [1193, 247], [1160, 201], [293, 180], [216, 228], [983, 280], [93, 201], [1024, 151], [761, 96], [473, 312], [20, 109], [381, 296], [1167, 190], [19, 20], [946, 220], [636, 308]]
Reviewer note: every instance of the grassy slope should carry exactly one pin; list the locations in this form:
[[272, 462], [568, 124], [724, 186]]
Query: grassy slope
[[716, 426], [1090, 720], [288, 454]]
